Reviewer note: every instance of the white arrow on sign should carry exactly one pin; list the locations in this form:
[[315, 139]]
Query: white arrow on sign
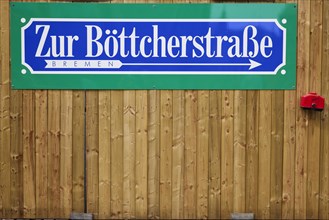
[[116, 64], [252, 64]]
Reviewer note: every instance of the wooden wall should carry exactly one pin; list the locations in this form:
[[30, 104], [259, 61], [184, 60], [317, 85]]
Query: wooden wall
[[169, 154]]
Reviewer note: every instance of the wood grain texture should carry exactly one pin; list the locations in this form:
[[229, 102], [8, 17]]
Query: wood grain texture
[[252, 150], [1, 159], [276, 153], [302, 118], [324, 150], [16, 154], [104, 159], [215, 103], [92, 152], [227, 152], [153, 141], [239, 134], [289, 148], [116, 153], [66, 148], [178, 155], [41, 151], [5, 98], [29, 147], [277, 141], [129, 154], [42, 165], [166, 154], [264, 155], [78, 145], [53, 197], [202, 154], [141, 153], [191, 112], [314, 134]]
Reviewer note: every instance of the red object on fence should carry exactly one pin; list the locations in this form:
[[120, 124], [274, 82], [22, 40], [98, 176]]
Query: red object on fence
[[312, 101]]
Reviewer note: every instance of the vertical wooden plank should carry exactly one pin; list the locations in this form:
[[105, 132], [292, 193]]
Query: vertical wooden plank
[[178, 151], [166, 154], [1, 159], [289, 146], [45, 142], [153, 153], [227, 152], [240, 141], [129, 199], [289, 150], [41, 136], [313, 148], [178, 155], [141, 154], [203, 154], [116, 153], [191, 112], [78, 160], [41, 151], [129, 152], [240, 105], [54, 99], [303, 52], [277, 115], [252, 151], [29, 191], [264, 157], [104, 136], [16, 155], [166, 151], [215, 101], [66, 155], [92, 152], [324, 151], [277, 151], [5, 112]]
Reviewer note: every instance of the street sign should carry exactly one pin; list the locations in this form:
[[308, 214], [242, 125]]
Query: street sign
[[153, 46]]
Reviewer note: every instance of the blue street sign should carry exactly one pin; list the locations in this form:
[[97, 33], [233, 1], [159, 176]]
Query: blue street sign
[[172, 46], [162, 46]]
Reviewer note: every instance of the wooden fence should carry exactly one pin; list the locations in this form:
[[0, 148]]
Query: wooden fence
[[169, 154]]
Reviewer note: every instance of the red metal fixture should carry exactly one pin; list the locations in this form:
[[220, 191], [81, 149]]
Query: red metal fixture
[[312, 101]]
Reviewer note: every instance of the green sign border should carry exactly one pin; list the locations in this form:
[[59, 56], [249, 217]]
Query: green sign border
[[148, 81]]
